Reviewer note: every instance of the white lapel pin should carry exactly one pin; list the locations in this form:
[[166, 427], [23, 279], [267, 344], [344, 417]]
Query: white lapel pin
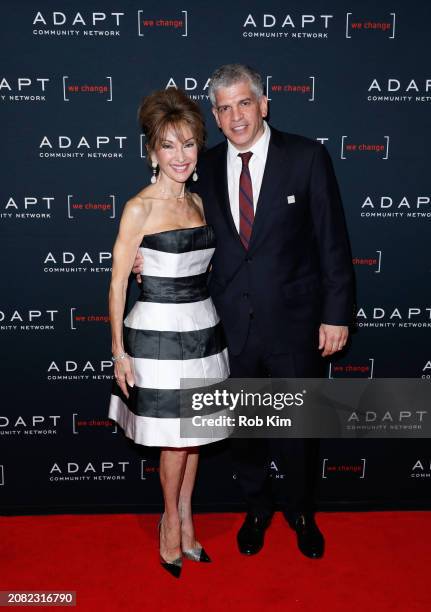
[[291, 199]]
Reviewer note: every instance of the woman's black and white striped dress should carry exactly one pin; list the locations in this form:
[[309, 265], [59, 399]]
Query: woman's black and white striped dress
[[172, 332]]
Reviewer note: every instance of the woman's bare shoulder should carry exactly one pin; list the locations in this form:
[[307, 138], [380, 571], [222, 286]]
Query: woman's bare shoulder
[[139, 205]]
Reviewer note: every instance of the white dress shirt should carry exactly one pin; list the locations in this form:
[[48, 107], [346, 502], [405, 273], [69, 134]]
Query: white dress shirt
[[256, 165]]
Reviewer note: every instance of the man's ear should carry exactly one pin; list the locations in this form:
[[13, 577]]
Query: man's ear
[[263, 104], [215, 113]]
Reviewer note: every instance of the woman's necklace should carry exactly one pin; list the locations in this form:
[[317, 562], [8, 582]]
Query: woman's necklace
[[179, 196]]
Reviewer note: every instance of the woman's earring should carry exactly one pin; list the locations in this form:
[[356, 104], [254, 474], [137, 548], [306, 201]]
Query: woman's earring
[[154, 177], [195, 175]]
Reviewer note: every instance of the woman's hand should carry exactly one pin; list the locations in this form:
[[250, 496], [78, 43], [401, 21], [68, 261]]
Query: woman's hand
[[123, 371]]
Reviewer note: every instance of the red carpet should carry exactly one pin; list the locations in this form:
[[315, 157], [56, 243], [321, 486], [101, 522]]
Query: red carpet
[[374, 561]]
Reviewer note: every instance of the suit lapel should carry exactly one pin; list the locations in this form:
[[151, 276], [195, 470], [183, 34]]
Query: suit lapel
[[275, 170], [222, 190]]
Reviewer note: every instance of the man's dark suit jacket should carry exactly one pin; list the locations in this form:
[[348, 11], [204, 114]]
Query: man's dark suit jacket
[[297, 272]]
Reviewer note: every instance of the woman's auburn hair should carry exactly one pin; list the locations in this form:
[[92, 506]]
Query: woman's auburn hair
[[170, 108]]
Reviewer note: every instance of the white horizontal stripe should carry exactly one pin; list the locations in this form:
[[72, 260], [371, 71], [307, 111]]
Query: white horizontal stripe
[[158, 432], [175, 265], [172, 317], [167, 373]]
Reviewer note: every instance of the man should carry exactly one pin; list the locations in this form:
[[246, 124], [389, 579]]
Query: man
[[281, 280]]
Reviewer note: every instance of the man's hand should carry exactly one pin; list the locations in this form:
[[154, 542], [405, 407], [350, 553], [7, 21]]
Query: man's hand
[[137, 266], [332, 338]]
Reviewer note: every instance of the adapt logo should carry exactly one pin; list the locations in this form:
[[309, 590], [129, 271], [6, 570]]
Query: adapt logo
[[77, 24], [292, 25], [426, 370], [194, 87], [12, 319], [29, 425], [33, 207], [24, 89], [372, 421], [396, 207], [85, 262], [395, 90], [274, 471], [71, 370], [392, 317], [421, 468], [69, 147], [63, 471]]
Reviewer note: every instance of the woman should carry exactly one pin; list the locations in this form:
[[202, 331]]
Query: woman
[[173, 330]]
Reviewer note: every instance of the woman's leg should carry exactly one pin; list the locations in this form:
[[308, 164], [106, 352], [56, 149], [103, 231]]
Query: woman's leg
[[172, 470], [185, 500]]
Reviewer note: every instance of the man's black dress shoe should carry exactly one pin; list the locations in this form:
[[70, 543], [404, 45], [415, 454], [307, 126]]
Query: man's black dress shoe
[[251, 534], [309, 538]]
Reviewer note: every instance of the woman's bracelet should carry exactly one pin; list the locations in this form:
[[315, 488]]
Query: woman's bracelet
[[120, 356]]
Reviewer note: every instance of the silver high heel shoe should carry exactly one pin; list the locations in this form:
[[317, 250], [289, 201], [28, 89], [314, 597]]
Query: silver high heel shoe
[[197, 554], [173, 567]]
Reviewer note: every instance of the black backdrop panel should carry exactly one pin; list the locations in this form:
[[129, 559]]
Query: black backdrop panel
[[72, 76]]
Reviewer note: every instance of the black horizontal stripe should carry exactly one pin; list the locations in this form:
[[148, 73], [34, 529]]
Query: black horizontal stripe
[[162, 403], [181, 240], [179, 290], [151, 344]]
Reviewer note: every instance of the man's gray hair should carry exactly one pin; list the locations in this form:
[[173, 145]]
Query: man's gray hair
[[229, 74]]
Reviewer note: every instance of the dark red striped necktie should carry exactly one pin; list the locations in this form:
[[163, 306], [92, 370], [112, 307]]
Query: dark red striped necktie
[[246, 209]]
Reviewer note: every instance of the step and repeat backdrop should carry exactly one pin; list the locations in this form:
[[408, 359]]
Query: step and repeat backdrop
[[353, 75]]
